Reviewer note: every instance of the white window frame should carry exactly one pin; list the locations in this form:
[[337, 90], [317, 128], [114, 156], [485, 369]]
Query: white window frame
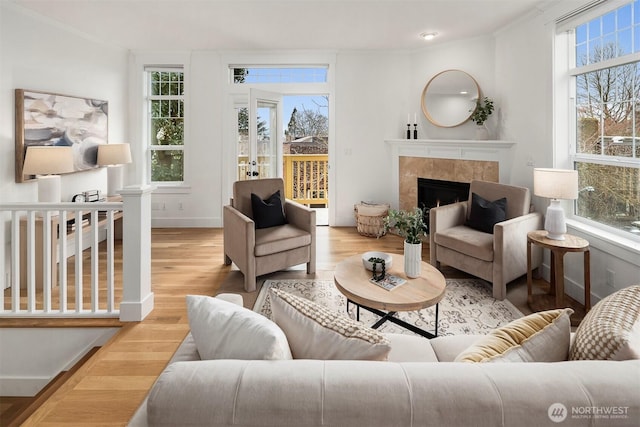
[[166, 186], [565, 150], [239, 93]]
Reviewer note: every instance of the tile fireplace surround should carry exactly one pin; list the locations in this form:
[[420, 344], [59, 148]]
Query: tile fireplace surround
[[450, 160]]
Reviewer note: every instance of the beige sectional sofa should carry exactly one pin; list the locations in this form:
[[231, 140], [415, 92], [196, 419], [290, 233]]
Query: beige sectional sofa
[[419, 385]]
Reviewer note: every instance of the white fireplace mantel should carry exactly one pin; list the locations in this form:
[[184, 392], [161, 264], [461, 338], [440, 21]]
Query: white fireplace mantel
[[464, 149]]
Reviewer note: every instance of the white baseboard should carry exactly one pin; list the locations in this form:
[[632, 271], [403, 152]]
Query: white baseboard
[[136, 311]]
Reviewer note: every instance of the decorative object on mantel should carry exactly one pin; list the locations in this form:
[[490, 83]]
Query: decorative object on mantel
[[449, 97], [480, 115], [411, 226], [555, 184], [415, 126]]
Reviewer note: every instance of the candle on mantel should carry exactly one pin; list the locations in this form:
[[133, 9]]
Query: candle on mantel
[[415, 118], [408, 118]]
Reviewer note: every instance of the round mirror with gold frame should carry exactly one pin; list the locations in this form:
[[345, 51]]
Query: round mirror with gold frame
[[450, 97]]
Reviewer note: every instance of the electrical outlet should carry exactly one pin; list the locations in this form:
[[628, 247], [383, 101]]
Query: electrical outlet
[[180, 207], [611, 278]]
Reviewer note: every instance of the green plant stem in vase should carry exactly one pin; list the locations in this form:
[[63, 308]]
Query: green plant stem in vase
[[408, 224]]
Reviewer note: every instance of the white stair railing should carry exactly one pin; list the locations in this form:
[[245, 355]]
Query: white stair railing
[[45, 235]]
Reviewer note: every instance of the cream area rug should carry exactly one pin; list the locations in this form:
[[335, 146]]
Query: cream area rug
[[467, 308]]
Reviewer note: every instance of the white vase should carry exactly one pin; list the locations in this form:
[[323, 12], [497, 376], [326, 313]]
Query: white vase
[[482, 133], [412, 259]]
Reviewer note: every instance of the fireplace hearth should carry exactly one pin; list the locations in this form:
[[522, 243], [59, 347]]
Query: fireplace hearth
[[434, 192]]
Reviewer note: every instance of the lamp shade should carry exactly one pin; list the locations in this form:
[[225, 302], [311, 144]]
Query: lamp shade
[[114, 154], [47, 160], [555, 183]]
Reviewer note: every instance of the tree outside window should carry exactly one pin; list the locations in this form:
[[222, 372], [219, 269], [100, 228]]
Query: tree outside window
[[166, 125], [607, 149]]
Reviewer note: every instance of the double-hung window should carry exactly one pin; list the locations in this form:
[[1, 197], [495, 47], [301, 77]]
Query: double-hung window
[[605, 143], [165, 124]]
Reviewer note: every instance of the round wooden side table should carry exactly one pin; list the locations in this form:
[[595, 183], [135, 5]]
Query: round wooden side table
[[555, 297]]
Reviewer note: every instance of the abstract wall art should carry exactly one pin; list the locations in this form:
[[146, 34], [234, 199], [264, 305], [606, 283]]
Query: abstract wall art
[[53, 119]]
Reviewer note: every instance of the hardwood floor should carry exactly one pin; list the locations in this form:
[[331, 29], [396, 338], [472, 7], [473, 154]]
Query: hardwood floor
[[108, 388]]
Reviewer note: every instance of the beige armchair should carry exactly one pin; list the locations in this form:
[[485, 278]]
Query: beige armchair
[[499, 257], [265, 250]]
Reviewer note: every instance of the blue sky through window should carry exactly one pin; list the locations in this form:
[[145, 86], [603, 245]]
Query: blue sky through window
[[619, 29], [315, 102]]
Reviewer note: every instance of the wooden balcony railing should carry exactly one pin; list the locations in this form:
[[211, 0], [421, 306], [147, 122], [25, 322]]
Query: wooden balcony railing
[[306, 176]]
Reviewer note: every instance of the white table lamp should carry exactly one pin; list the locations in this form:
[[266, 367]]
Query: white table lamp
[[555, 184], [46, 162], [114, 156]]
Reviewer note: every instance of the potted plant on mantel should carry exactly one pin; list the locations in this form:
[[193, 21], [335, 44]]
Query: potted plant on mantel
[[410, 226], [480, 115]]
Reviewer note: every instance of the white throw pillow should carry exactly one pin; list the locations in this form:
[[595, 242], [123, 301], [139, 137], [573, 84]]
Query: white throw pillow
[[315, 332], [222, 330]]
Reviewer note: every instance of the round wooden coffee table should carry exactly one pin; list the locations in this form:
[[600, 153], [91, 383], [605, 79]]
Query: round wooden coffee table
[[352, 279]]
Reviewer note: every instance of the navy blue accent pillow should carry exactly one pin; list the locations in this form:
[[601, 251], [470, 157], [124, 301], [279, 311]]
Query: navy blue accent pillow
[[485, 214], [268, 213]]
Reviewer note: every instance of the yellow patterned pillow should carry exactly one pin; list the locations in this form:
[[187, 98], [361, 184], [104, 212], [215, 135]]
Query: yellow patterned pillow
[[539, 337], [315, 332], [611, 330]]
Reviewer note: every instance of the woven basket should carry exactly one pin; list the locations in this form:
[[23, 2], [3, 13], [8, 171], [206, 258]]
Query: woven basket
[[370, 218]]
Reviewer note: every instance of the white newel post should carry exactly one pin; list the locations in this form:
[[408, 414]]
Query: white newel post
[[137, 298]]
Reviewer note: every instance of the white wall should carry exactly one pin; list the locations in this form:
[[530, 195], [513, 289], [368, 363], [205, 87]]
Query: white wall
[[40, 55], [374, 93], [31, 357], [372, 102], [474, 56], [197, 203]]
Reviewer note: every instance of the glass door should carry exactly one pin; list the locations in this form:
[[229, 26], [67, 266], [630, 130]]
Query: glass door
[[264, 148]]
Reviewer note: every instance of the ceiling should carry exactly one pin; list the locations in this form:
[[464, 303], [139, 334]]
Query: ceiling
[[280, 24]]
